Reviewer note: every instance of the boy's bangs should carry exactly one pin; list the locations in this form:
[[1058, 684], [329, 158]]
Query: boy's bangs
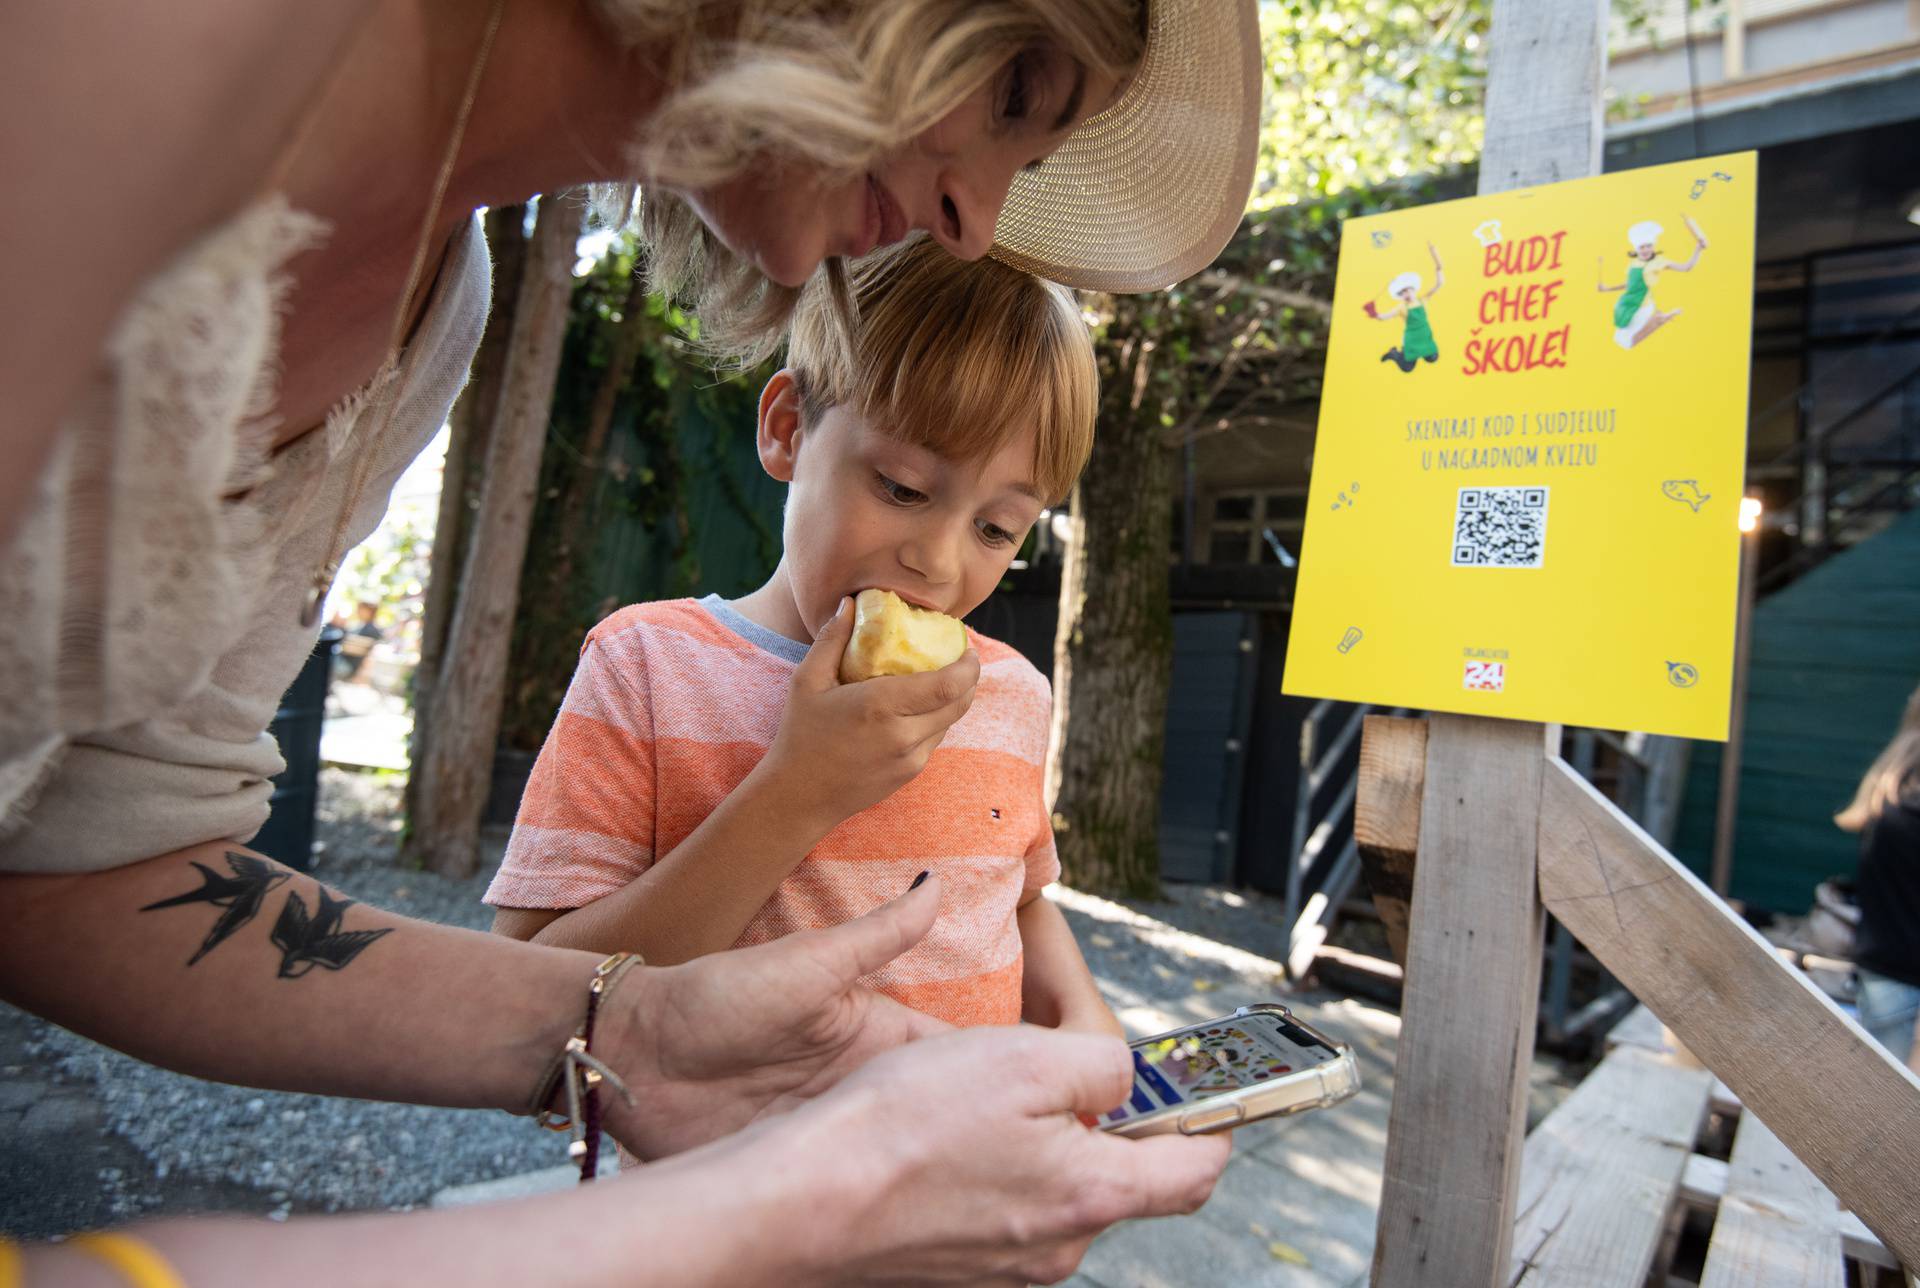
[[958, 358], [965, 381]]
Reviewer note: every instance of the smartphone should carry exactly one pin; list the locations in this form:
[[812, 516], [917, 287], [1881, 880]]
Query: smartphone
[[1259, 1062]]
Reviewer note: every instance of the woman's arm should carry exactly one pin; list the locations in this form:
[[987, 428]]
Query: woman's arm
[[241, 971], [1057, 989], [132, 129], [1000, 1187], [218, 962], [1439, 273]]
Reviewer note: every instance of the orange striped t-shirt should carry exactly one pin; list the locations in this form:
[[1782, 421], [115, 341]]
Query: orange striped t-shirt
[[674, 703]]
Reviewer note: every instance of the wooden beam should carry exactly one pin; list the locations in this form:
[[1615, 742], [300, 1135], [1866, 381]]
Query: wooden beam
[[1843, 1106], [1386, 817], [1458, 1120]]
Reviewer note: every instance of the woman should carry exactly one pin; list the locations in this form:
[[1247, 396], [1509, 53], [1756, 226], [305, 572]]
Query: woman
[[244, 285], [1885, 811]]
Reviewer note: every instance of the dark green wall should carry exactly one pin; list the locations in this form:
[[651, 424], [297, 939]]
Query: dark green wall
[[1835, 655]]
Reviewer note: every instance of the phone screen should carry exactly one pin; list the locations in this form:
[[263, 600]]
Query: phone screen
[[1213, 1058]]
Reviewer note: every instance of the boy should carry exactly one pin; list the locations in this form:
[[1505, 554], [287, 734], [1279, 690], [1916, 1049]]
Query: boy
[[710, 783]]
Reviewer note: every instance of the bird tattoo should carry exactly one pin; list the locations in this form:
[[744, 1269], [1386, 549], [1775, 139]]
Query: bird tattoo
[[307, 941], [239, 896]]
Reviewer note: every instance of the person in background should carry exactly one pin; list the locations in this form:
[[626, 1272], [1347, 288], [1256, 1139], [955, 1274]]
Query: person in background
[[1885, 811], [359, 637]]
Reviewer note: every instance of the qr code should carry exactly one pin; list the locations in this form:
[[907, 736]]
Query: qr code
[[1500, 527]]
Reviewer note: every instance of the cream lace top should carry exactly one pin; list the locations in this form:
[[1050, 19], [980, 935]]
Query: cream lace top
[[150, 602]]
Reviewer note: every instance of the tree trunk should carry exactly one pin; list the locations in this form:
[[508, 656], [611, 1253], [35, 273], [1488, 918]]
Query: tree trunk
[[1113, 655], [470, 429], [458, 768]]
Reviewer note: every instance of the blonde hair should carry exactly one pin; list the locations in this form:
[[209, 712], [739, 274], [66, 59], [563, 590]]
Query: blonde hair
[[952, 356], [838, 82], [1894, 774]]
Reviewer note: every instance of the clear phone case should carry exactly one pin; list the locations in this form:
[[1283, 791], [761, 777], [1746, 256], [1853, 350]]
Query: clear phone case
[[1333, 1076]]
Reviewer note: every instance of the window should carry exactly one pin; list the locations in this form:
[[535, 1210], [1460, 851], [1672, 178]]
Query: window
[[1256, 527]]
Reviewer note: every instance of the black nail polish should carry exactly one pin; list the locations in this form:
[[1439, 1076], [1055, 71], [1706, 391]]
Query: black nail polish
[[916, 882]]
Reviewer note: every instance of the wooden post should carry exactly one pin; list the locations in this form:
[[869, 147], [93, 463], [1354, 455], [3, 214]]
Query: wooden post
[[457, 770], [1455, 1132], [1727, 808], [1459, 1114], [1733, 42]]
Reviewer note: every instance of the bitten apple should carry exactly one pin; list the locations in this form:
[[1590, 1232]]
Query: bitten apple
[[892, 637]]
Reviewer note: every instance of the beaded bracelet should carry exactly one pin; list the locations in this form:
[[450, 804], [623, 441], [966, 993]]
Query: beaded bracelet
[[582, 1072]]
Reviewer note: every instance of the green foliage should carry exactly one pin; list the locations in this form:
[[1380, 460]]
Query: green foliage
[[1363, 92], [618, 526], [389, 568], [1371, 104]]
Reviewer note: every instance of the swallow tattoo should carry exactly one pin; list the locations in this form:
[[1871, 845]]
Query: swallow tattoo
[[239, 896], [307, 941]]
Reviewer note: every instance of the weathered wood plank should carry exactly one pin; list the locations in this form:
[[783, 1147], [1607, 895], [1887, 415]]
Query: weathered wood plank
[[1386, 817], [1703, 1184], [1848, 1111], [1778, 1227], [1472, 994], [1642, 1028], [1602, 1170]]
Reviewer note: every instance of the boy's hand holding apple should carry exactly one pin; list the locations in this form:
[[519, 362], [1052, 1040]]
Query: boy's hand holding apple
[[843, 747]]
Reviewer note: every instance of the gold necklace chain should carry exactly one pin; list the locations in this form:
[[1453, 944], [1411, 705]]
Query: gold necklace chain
[[384, 388]]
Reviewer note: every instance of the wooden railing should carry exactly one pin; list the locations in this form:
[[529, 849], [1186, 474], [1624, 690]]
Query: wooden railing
[[1495, 831]]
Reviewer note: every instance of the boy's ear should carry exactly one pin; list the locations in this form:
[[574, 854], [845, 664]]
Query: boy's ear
[[778, 439]]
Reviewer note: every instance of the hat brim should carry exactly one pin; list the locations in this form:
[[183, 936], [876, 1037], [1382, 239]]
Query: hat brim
[[1148, 192]]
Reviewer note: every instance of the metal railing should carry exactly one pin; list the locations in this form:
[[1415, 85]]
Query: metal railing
[[1644, 775], [1324, 762], [1842, 499]]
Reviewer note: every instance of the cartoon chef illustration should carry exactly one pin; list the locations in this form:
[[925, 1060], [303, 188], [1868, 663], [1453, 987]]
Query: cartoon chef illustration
[[1635, 315], [1416, 340]]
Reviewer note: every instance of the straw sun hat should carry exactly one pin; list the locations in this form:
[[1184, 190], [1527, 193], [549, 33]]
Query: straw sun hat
[[1149, 191]]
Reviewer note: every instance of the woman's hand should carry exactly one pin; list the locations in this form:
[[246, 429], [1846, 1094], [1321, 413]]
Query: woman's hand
[[844, 747], [959, 1160], [712, 1045]]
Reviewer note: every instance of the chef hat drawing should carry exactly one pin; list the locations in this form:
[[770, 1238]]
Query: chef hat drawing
[[1404, 282], [1644, 233]]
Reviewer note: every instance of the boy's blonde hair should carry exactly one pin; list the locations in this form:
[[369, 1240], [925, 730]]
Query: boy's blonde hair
[[839, 82], [954, 357]]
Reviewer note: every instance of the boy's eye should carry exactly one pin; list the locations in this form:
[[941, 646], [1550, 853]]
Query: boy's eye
[[995, 535], [898, 493]]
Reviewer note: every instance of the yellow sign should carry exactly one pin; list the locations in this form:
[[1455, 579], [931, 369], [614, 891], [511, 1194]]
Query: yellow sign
[[1526, 486]]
